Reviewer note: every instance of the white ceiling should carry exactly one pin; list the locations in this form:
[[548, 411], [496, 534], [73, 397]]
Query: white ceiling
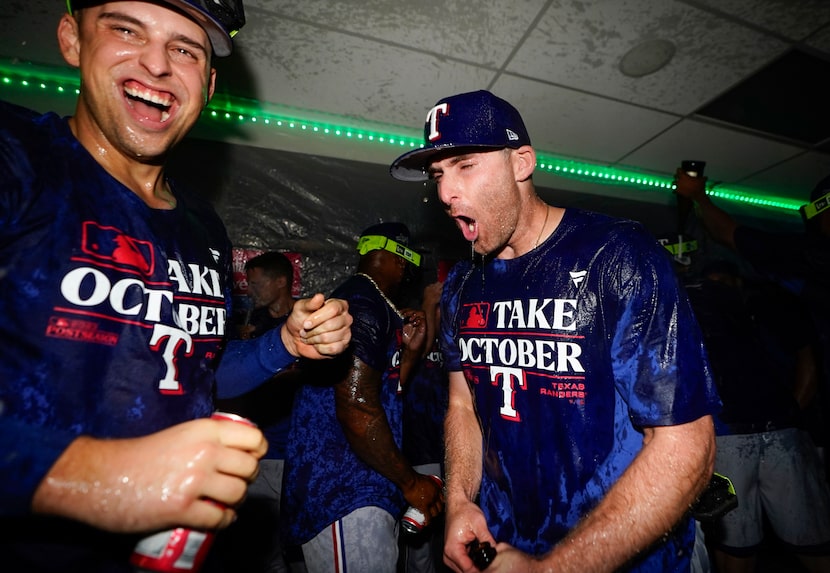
[[386, 62]]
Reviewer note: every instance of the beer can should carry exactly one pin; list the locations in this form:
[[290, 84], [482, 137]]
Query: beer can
[[178, 550], [413, 519]]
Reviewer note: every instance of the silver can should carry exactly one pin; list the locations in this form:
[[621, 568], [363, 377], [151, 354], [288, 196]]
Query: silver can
[[413, 519]]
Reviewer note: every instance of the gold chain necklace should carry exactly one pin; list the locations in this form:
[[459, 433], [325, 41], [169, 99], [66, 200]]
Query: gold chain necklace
[[386, 298], [545, 224]]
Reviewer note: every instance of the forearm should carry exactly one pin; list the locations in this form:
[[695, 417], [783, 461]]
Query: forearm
[[648, 500], [28, 454], [246, 364], [409, 365], [366, 427], [462, 441], [718, 223]]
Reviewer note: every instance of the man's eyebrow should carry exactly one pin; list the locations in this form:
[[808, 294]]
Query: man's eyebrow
[[453, 160], [121, 16]]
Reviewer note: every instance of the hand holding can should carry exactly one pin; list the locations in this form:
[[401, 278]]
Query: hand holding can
[[413, 519], [178, 550]]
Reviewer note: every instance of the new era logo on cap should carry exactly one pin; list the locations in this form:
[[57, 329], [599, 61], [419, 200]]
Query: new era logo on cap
[[470, 120]]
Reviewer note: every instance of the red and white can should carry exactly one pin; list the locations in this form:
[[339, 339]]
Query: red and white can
[[413, 519], [179, 550]]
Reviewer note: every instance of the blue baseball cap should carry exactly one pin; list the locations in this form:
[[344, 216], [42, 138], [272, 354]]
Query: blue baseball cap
[[220, 19], [468, 121]]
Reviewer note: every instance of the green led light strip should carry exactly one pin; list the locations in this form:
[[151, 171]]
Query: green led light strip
[[229, 108]]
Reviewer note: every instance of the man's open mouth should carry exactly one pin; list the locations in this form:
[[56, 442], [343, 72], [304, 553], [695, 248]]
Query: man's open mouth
[[152, 105]]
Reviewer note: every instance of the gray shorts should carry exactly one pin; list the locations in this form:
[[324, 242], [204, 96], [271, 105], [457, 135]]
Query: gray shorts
[[777, 474], [365, 541]]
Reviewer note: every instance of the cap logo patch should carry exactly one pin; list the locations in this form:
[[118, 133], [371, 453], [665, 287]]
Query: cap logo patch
[[511, 135], [432, 119]]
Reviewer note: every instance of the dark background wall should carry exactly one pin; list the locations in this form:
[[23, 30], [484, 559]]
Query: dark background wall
[[317, 206]]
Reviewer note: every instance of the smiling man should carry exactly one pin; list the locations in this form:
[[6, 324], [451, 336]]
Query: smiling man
[[579, 427], [114, 290]]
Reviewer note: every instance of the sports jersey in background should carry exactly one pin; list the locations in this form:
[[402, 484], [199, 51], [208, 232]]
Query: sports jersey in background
[[425, 406], [324, 478], [752, 354], [801, 264], [570, 349], [111, 315]]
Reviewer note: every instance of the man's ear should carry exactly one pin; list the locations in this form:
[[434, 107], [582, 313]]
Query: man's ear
[[211, 85], [69, 40], [524, 162]]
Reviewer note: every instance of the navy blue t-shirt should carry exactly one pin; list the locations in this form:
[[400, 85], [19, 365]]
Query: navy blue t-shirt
[[111, 315], [425, 406], [570, 350]]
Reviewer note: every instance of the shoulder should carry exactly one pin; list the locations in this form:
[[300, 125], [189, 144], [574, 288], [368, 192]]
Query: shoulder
[[12, 115], [199, 213], [604, 239], [27, 127]]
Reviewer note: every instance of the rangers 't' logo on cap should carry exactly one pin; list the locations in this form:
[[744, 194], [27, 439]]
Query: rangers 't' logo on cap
[[469, 120]]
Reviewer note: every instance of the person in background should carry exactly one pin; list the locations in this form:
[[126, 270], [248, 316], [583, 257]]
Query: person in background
[[762, 368], [799, 262], [346, 479], [424, 408], [114, 288], [579, 429], [252, 543]]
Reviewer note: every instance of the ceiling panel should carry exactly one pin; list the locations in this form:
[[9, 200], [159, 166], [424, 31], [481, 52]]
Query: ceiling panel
[[581, 44]]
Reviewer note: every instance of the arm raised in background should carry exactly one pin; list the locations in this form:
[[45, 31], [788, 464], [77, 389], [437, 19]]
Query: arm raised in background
[[718, 223]]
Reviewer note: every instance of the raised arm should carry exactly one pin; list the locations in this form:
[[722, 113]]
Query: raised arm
[[719, 224]]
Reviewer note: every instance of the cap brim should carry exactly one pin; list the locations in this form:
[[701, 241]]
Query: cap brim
[[412, 165], [220, 41]]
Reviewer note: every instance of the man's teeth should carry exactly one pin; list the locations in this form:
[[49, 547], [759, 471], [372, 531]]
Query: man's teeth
[[147, 95], [471, 226]]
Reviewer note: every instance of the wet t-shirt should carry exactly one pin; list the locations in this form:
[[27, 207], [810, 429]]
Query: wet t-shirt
[[325, 480], [570, 350], [111, 316]]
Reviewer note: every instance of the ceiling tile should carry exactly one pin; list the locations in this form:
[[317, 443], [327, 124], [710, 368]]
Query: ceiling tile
[[580, 45]]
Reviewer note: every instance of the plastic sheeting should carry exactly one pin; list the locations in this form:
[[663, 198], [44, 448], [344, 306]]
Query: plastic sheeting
[[317, 207]]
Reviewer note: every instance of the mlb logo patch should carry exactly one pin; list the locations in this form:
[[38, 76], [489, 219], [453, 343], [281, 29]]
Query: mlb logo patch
[[110, 244], [474, 316]]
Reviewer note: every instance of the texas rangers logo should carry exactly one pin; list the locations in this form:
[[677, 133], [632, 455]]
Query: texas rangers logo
[[432, 119]]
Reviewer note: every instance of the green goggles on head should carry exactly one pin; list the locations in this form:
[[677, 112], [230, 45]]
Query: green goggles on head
[[813, 208], [680, 248], [369, 243]]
